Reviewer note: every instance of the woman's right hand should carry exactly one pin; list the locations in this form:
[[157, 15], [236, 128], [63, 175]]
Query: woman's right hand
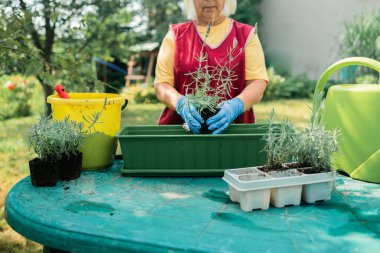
[[189, 114]]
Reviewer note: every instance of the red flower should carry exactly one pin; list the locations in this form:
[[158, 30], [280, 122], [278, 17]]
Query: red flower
[[10, 85]]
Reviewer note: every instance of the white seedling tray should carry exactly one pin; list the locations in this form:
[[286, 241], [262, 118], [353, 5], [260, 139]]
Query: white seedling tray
[[254, 189]]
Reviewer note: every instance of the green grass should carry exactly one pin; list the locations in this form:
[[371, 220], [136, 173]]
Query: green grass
[[14, 153]]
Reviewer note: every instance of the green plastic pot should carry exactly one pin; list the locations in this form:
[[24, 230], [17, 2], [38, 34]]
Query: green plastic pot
[[354, 109]]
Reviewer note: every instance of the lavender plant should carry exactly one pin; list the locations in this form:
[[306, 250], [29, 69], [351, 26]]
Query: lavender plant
[[200, 92], [311, 147], [315, 146], [280, 142], [51, 139]]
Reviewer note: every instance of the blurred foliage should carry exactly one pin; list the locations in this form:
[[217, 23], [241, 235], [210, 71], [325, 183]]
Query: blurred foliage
[[361, 38], [281, 87], [146, 97], [247, 12], [16, 96], [158, 15], [115, 79], [273, 89], [367, 79], [141, 94]]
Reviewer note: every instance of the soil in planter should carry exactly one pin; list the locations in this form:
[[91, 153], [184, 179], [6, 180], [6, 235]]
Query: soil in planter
[[305, 168], [206, 114], [296, 165], [268, 168], [70, 166], [43, 173], [313, 170]]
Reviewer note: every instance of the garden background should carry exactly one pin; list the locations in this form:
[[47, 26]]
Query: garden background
[[46, 42]]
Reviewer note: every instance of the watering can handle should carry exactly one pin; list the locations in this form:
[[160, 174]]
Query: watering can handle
[[318, 93]]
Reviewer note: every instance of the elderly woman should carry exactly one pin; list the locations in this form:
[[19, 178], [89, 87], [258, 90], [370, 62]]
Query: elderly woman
[[178, 56]]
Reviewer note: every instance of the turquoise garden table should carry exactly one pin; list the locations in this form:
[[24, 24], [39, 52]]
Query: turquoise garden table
[[104, 212]]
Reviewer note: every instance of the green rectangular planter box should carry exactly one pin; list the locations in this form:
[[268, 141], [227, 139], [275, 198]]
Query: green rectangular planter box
[[170, 151]]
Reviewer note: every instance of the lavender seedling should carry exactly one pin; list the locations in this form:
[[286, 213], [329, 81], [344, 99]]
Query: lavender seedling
[[315, 146], [280, 143], [200, 92]]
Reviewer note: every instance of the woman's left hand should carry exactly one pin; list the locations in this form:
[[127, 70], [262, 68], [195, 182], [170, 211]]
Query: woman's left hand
[[229, 111]]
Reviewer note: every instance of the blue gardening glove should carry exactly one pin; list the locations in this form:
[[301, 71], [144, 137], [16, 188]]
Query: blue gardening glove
[[189, 114], [229, 110]]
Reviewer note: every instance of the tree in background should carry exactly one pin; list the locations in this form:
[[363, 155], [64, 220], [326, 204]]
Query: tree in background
[[158, 16], [55, 40]]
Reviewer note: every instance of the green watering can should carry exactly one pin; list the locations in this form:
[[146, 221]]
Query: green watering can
[[354, 109]]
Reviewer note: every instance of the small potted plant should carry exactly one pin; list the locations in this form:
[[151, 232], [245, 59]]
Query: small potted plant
[[212, 84], [57, 145]]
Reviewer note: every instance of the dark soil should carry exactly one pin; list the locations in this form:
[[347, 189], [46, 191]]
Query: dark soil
[[305, 168], [268, 168], [43, 173], [70, 166], [296, 165], [312, 170], [206, 114]]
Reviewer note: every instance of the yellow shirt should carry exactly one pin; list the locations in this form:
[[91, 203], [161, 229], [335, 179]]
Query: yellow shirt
[[254, 55]]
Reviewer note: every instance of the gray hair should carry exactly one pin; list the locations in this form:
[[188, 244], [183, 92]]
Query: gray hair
[[229, 8]]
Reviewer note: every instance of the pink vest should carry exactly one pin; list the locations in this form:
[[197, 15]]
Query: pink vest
[[188, 45]]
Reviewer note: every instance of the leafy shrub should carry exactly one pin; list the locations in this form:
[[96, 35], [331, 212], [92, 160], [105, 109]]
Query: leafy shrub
[[280, 87], [141, 94], [362, 38], [273, 90], [247, 12], [16, 97], [146, 97], [298, 87], [367, 79]]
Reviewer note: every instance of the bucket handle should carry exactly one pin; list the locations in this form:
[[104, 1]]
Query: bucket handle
[[125, 104], [318, 92]]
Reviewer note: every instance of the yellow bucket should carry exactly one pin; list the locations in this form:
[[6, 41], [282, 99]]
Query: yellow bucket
[[99, 145]]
